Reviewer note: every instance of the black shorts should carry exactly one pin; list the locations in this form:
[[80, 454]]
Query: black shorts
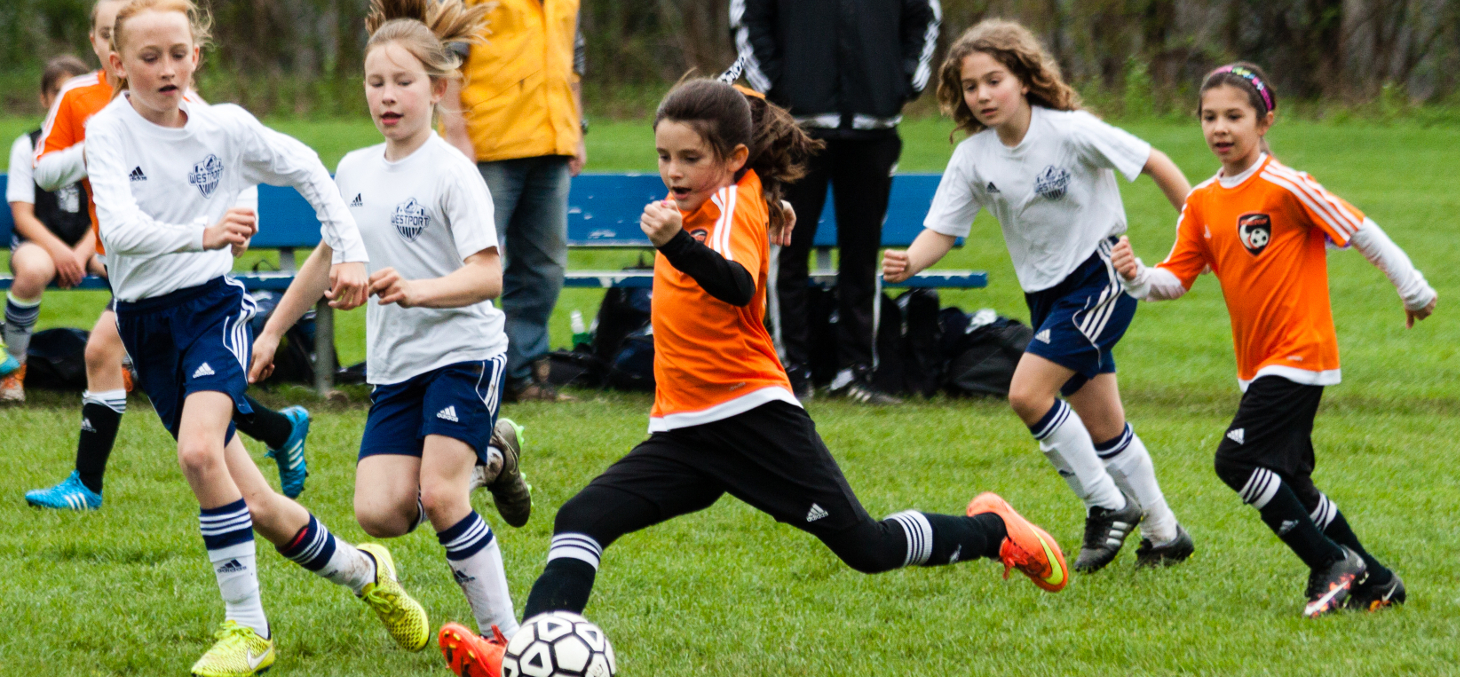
[[1274, 427], [770, 457]]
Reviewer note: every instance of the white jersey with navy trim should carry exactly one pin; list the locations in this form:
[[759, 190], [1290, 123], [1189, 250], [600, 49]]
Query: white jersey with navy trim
[[1054, 194], [422, 215], [157, 188]]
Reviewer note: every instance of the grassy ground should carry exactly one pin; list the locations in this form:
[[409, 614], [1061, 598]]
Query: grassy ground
[[728, 591]]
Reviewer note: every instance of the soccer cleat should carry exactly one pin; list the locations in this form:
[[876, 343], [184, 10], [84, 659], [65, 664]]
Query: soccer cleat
[[239, 652], [469, 654], [1027, 548], [1175, 552], [1105, 532], [1329, 587], [402, 615], [293, 468], [12, 386], [9, 364], [70, 494], [1368, 597], [510, 490]]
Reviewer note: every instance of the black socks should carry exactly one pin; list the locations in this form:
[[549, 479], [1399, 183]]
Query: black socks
[[265, 425], [563, 586]]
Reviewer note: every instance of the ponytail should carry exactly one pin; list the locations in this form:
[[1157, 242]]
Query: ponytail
[[428, 29], [727, 116]]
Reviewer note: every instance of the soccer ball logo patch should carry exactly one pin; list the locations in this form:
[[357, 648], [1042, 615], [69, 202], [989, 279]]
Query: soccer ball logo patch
[[205, 175], [1052, 182], [409, 219], [1255, 231]]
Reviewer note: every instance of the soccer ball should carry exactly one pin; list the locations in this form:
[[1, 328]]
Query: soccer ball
[[558, 644]]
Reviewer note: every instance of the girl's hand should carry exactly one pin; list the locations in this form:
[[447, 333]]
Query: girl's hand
[[895, 266], [234, 229], [262, 365], [661, 222], [69, 269], [1124, 259], [347, 286], [782, 236], [1412, 316], [387, 285]]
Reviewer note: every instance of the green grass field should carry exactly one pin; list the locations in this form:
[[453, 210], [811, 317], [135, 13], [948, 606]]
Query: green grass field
[[730, 592]]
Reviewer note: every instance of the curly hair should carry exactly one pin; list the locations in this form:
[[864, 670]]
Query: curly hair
[[1013, 46], [726, 116]]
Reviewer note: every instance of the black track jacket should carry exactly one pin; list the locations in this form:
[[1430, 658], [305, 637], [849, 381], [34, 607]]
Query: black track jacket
[[843, 68]]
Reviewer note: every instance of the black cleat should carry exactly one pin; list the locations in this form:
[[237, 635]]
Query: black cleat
[[1175, 552], [1371, 597], [1329, 587], [1105, 532], [510, 490]]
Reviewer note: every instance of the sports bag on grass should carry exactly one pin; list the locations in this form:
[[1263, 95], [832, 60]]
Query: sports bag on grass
[[982, 350], [56, 360]]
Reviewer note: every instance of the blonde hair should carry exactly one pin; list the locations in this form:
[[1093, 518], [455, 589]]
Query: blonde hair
[[1013, 46], [200, 23], [427, 29]]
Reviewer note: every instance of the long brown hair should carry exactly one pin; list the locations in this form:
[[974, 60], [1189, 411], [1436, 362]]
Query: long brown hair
[[1012, 45], [427, 29], [726, 117]]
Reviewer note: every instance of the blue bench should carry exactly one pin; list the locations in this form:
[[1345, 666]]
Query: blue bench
[[603, 213]]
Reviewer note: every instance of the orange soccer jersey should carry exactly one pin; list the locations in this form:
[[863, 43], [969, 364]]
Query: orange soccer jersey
[[713, 360], [1265, 240], [81, 97]]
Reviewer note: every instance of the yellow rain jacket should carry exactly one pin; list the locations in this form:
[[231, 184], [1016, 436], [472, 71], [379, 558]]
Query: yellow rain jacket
[[517, 97]]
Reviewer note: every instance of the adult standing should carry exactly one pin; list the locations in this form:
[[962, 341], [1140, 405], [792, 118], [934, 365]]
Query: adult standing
[[844, 69], [521, 120]]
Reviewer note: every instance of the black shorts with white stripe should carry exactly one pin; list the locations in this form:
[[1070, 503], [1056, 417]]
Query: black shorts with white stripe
[[1273, 429]]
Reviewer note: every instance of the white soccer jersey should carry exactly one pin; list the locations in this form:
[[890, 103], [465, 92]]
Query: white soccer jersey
[[157, 188], [20, 186], [1054, 194], [422, 215]]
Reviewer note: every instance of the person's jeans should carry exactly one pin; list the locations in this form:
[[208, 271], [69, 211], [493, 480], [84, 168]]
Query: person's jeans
[[530, 198]]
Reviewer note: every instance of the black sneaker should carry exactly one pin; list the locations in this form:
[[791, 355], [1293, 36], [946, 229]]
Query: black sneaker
[[1175, 552], [858, 388], [1373, 597], [801, 386], [1329, 587], [1105, 532]]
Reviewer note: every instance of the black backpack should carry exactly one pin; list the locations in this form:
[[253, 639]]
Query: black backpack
[[294, 361], [909, 360], [982, 351], [56, 360]]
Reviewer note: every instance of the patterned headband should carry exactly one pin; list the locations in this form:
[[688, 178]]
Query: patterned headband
[[1257, 83]]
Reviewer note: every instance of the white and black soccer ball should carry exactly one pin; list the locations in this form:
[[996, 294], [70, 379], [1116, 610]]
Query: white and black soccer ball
[[558, 644]]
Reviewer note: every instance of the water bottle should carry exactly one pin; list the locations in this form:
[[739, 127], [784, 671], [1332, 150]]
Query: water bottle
[[581, 335]]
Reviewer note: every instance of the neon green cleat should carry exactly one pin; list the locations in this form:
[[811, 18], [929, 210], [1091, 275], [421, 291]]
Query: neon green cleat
[[402, 615], [239, 652]]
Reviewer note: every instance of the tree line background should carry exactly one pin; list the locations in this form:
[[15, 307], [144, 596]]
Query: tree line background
[[1127, 57]]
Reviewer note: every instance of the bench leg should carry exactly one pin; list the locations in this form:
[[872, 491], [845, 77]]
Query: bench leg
[[324, 347]]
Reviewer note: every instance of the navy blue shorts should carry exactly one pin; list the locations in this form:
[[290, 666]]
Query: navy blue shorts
[[1078, 321], [191, 340], [459, 401]]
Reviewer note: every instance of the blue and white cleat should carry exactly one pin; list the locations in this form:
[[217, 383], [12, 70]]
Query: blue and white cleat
[[70, 494], [9, 364], [292, 466]]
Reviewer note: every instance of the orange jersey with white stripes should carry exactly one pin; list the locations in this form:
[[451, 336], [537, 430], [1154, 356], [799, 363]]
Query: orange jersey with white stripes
[[81, 97], [1265, 240], [712, 359]]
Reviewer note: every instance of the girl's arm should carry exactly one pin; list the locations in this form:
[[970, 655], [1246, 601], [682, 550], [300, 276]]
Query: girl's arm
[[61, 168], [930, 247], [1418, 296], [1141, 282], [479, 279], [1168, 177], [309, 284], [720, 277]]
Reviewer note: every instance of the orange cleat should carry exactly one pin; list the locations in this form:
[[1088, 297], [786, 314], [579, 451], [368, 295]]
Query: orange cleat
[[128, 384], [469, 654], [12, 387], [1028, 548]]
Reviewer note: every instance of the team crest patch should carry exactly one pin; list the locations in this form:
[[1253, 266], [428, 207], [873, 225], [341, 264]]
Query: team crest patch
[[1255, 231], [410, 219], [1052, 183], [700, 235], [205, 175]]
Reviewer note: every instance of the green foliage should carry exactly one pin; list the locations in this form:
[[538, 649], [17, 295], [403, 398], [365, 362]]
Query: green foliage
[[126, 591]]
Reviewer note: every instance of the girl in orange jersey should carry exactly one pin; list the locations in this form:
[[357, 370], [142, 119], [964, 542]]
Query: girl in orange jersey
[[1263, 229], [59, 161], [724, 419]]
